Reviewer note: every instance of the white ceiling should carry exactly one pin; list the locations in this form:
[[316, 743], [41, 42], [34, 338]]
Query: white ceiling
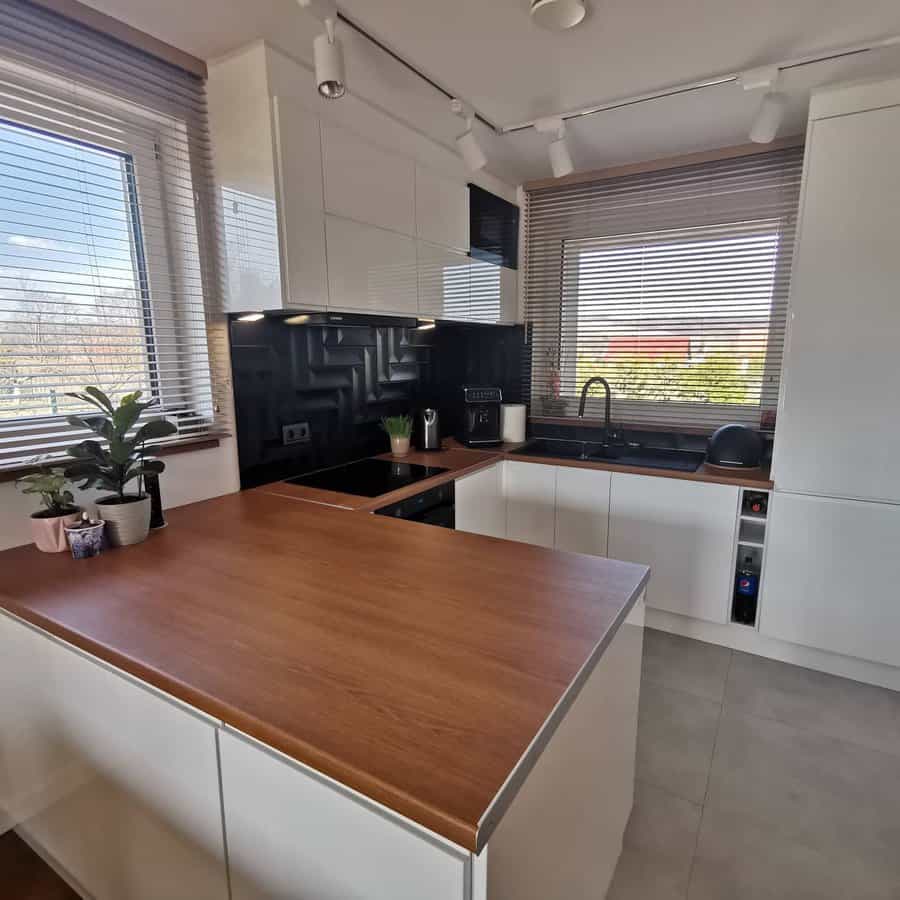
[[489, 53]]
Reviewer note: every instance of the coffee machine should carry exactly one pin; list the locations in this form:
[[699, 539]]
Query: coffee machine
[[481, 416]]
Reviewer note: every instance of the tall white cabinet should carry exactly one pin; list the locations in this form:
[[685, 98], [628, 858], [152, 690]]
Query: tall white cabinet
[[838, 429]]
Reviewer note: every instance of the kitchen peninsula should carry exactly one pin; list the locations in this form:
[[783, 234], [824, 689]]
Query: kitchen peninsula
[[302, 701]]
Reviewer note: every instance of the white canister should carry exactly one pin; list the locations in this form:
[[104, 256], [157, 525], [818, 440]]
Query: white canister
[[512, 423]]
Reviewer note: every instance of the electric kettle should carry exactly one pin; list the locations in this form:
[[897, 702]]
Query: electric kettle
[[428, 429]]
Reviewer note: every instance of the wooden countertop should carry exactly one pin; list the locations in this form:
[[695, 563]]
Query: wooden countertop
[[413, 664], [460, 461]]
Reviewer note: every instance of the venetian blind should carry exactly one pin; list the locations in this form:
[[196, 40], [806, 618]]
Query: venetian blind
[[672, 285], [107, 270]]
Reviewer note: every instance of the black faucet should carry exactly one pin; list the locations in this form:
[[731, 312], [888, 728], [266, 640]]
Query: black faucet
[[584, 391]]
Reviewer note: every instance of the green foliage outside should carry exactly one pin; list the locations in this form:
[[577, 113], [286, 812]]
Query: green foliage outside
[[717, 378]]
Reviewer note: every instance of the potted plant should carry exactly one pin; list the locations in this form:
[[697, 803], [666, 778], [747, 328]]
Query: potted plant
[[399, 428], [117, 460], [59, 510]]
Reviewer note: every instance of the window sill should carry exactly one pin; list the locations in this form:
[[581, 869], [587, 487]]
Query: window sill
[[189, 445]]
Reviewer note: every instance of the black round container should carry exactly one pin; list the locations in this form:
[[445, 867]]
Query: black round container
[[735, 447]]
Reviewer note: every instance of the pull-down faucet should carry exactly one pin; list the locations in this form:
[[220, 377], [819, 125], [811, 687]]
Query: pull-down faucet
[[584, 391]]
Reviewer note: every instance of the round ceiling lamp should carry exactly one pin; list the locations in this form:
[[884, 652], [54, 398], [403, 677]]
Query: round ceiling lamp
[[557, 15]]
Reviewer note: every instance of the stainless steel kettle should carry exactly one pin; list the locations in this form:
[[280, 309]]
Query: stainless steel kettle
[[428, 429]]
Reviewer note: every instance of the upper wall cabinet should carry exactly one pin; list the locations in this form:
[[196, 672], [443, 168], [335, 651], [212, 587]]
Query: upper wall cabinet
[[442, 210], [368, 183], [838, 432], [371, 269], [269, 166]]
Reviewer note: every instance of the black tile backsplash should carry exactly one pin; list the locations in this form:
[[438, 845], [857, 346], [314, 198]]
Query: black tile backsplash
[[342, 380]]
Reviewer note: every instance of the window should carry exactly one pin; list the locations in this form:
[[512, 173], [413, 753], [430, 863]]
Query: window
[[684, 312], [73, 274], [105, 235]]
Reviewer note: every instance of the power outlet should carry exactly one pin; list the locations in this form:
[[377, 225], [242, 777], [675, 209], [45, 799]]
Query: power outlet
[[298, 433]]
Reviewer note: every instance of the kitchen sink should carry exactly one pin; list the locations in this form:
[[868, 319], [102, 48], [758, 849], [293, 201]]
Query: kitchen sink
[[623, 455]]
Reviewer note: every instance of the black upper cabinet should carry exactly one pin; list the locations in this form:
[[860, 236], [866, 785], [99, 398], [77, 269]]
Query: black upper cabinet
[[493, 228]]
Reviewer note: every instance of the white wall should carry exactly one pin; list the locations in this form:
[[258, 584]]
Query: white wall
[[189, 477]]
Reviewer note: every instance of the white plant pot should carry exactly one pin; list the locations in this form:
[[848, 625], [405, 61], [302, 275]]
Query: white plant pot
[[126, 523], [399, 446]]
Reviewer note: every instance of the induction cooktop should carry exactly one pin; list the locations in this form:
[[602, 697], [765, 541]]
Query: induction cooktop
[[368, 477]]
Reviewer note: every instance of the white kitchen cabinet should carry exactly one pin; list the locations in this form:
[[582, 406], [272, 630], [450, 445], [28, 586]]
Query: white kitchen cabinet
[[684, 530], [116, 784], [268, 164], [582, 510], [832, 571], [444, 282], [368, 183], [370, 269], [509, 295], [295, 834], [530, 490], [480, 502], [442, 210], [838, 432]]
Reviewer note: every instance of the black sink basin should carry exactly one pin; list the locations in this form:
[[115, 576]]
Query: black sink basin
[[646, 457]]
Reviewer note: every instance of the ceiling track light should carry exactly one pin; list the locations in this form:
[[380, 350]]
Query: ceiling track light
[[560, 157], [467, 144], [329, 59], [773, 106]]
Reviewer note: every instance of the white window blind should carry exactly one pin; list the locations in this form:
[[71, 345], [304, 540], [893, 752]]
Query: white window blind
[[107, 270], [672, 285]]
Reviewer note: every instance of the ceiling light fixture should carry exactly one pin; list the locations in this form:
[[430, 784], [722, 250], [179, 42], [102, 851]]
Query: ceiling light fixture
[[773, 106], [250, 317], [560, 158], [329, 58], [467, 144], [557, 15]]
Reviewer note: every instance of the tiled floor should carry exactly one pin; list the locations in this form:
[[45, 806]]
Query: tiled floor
[[759, 780]]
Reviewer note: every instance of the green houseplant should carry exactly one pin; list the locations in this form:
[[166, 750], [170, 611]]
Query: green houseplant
[[117, 460], [59, 510], [399, 428]]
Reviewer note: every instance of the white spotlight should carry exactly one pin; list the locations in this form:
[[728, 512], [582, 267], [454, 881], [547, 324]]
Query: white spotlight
[[250, 317], [329, 59], [557, 15], [560, 158], [768, 118], [467, 144]]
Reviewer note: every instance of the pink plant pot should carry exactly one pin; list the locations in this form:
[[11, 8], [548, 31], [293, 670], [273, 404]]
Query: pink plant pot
[[49, 535], [399, 446]]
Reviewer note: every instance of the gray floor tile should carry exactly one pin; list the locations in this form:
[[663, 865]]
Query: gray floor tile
[[836, 798], [739, 859], [685, 665], [815, 701], [659, 846], [676, 735]]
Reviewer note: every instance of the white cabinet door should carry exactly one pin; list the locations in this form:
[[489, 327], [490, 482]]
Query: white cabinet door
[[442, 210], [480, 502], [832, 571], [123, 787], [443, 282], [486, 292], [509, 295], [684, 530], [298, 172], [368, 183], [838, 432], [530, 502], [370, 269], [582, 510], [297, 836]]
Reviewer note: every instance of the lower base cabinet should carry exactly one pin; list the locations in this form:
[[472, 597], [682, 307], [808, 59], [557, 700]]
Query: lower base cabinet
[[683, 530], [116, 785], [832, 571], [582, 510], [530, 503], [480, 502]]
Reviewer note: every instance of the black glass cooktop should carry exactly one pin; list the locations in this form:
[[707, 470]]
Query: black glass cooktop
[[368, 477]]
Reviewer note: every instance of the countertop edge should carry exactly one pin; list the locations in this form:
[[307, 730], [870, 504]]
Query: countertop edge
[[493, 815], [224, 715]]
